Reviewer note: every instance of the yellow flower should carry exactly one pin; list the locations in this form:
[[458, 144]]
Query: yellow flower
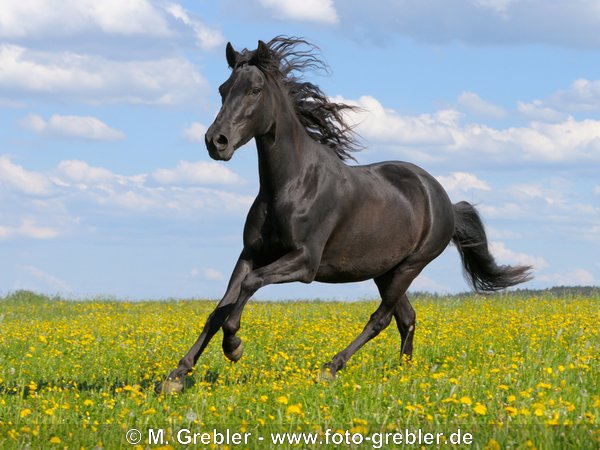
[[55, 440], [492, 445], [294, 409], [283, 400], [149, 412], [529, 444], [88, 402], [465, 400], [480, 409], [25, 412]]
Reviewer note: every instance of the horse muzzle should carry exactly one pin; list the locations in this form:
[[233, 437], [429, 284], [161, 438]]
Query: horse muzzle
[[218, 145]]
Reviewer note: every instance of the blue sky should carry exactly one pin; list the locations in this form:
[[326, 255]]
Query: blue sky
[[106, 188]]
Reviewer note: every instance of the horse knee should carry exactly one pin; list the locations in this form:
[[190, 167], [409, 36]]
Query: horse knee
[[406, 321], [231, 327], [380, 321], [251, 284]]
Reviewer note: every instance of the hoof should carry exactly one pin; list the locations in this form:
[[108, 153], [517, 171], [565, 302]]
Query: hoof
[[170, 386], [327, 374], [235, 355]]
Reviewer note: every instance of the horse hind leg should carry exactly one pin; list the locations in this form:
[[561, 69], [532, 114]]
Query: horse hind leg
[[405, 317], [233, 347], [378, 321], [392, 287]]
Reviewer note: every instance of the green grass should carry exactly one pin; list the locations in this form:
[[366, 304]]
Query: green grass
[[515, 371]]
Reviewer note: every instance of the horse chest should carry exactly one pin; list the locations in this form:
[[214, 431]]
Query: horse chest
[[267, 235]]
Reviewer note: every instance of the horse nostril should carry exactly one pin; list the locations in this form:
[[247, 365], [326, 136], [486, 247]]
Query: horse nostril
[[222, 140]]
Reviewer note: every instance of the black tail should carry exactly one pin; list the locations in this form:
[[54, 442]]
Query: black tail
[[479, 265]]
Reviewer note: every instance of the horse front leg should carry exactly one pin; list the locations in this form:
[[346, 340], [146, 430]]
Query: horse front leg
[[294, 266], [174, 382]]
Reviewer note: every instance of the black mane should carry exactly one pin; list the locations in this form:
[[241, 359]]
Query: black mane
[[322, 119]]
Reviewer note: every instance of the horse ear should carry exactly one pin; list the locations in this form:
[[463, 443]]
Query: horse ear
[[262, 52], [231, 55]]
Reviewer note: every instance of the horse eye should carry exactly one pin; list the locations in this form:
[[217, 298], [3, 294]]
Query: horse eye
[[255, 91]]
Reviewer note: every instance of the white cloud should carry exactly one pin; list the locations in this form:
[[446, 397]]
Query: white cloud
[[8, 103], [552, 195], [496, 233], [476, 22], [462, 182], [78, 127], [81, 20], [537, 111], [499, 6], [206, 37], [98, 80], [16, 177], [30, 229], [37, 18], [381, 124], [593, 234], [582, 95], [196, 173], [428, 284], [474, 103], [573, 277], [508, 210], [527, 190], [212, 274], [320, 11], [81, 172], [570, 140], [194, 132], [5, 232], [445, 136], [597, 190], [505, 255], [50, 281], [564, 141], [75, 194], [175, 190]]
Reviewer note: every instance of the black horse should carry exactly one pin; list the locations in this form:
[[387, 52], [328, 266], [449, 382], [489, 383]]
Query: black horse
[[316, 218]]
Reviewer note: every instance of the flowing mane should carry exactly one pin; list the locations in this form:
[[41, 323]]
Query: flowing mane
[[322, 119]]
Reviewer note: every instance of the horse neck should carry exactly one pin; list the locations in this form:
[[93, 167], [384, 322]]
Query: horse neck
[[286, 152]]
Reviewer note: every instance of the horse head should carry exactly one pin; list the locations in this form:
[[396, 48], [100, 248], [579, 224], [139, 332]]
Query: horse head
[[246, 103]]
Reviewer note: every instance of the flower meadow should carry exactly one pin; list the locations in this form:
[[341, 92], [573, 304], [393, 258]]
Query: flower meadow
[[515, 370]]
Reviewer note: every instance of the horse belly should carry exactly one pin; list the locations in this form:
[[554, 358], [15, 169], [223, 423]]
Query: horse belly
[[361, 256]]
